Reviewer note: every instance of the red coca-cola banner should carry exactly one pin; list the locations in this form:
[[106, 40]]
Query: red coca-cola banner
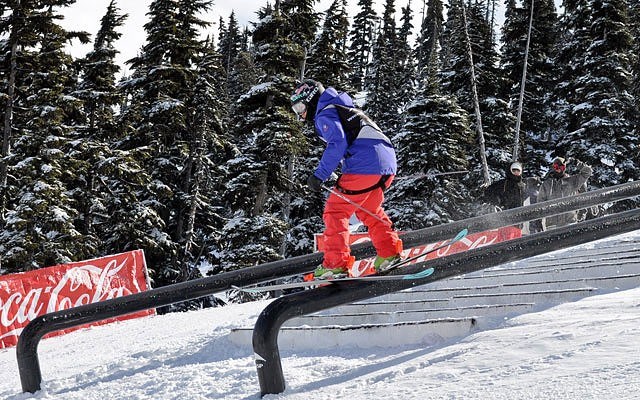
[[472, 241], [25, 296]]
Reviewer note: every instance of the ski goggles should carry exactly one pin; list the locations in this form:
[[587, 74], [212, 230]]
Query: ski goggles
[[300, 109], [559, 167]]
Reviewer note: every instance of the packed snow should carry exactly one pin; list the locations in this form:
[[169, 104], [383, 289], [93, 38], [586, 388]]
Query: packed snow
[[588, 349]]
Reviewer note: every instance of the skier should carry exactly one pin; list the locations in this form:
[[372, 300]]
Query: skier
[[368, 166], [559, 184]]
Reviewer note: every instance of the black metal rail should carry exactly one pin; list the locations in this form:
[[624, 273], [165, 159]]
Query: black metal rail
[[26, 350], [267, 328]]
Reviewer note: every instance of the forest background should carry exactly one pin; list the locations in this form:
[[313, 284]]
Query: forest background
[[196, 157]]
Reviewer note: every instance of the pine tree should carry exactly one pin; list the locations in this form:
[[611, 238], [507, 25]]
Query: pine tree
[[301, 26], [258, 189], [573, 42], [406, 81], [39, 226], [437, 126], [204, 175], [230, 43], [361, 39], [97, 133], [167, 138], [601, 109], [456, 68], [382, 104], [17, 55], [98, 87], [244, 74], [429, 41], [328, 60]]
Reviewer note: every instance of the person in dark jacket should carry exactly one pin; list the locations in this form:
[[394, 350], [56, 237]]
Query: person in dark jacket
[[368, 164], [509, 192], [558, 184]]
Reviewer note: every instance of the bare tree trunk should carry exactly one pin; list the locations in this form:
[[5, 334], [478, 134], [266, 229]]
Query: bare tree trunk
[[287, 202], [190, 224], [476, 102], [191, 187], [186, 188], [261, 197], [516, 141]]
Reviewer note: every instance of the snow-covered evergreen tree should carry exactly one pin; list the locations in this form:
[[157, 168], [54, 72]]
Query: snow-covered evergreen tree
[[361, 39], [259, 189], [39, 222], [498, 123], [96, 131], [436, 138], [161, 89], [204, 174], [600, 108], [382, 85], [328, 57], [230, 42], [456, 68], [405, 75], [573, 42], [430, 37]]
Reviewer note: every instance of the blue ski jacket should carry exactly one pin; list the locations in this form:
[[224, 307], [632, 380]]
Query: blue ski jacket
[[371, 153]]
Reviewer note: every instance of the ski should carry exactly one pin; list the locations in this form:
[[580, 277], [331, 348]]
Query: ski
[[319, 282], [380, 277]]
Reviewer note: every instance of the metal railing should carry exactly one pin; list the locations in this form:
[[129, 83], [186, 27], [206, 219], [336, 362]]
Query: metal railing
[[265, 333], [26, 351]]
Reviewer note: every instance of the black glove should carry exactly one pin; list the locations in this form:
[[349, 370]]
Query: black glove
[[314, 183]]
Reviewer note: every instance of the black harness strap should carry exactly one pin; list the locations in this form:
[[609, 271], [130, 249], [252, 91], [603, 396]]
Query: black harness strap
[[382, 184]]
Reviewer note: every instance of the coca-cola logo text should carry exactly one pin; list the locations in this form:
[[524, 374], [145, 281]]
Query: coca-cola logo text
[[23, 297]]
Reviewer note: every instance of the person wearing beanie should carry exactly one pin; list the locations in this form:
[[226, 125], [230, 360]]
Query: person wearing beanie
[[508, 192], [557, 184], [367, 160]]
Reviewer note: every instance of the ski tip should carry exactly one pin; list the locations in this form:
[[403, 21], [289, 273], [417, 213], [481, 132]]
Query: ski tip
[[419, 275], [245, 290], [461, 234]]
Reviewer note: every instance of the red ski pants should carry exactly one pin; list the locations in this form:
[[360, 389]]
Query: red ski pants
[[336, 219]]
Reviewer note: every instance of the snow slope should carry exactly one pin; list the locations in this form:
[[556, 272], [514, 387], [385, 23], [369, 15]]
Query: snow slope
[[589, 349]]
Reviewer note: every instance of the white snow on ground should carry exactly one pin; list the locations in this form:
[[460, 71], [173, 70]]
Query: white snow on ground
[[588, 349]]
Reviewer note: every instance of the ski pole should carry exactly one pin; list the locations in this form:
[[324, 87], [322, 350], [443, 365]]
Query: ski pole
[[430, 175], [353, 203], [341, 196]]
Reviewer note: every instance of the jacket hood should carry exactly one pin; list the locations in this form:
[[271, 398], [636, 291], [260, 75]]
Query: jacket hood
[[331, 96]]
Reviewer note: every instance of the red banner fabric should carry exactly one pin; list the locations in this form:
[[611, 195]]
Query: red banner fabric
[[25, 296], [471, 241]]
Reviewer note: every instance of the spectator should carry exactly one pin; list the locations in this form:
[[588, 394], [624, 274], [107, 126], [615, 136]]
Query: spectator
[[558, 184], [508, 192]]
